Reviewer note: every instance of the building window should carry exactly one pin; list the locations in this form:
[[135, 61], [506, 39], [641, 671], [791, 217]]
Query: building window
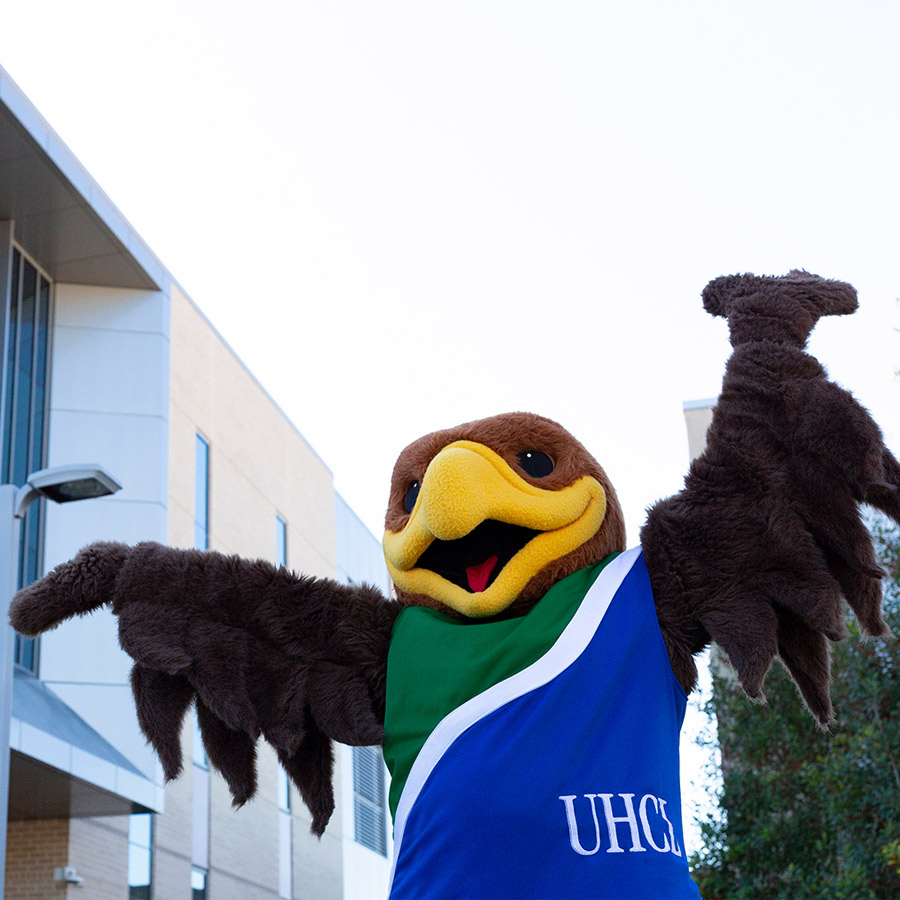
[[140, 856], [198, 751], [285, 837], [26, 375], [201, 495], [280, 541], [284, 791], [198, 883], [369, 814]]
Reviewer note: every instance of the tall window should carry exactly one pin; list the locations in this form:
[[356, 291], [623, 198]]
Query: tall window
[[26, 374], [198, 750], [201, 494], [199, 814], [280, 541], [198, 883], [369, 815], [285, 836], [140, 855]]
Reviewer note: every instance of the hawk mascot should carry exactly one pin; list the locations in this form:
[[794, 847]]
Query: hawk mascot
[[529, 679]]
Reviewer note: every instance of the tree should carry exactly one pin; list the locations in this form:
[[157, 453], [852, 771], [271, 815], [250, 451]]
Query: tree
[[805, 813]]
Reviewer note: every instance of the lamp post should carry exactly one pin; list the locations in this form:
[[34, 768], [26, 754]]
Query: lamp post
[[62, 484]]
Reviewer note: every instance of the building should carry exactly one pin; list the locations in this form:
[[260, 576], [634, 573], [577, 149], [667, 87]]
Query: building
[[105, 359]]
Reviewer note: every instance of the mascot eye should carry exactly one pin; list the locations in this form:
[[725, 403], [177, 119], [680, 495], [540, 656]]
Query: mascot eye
[[409, 501], [535, 463]]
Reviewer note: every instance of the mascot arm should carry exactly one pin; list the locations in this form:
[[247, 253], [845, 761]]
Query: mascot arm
[[765, 542], [258, 649]]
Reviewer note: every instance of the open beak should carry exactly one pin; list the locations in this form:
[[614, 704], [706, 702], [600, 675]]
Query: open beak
[[479, 532]]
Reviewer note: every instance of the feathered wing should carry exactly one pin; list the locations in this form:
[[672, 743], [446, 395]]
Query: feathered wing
[[258, 649], [760, 549]]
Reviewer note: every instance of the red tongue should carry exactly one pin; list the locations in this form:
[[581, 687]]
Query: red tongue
[[478, 575]]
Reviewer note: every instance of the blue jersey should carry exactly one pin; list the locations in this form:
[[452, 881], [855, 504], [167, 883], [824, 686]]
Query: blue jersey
[[562, 780]]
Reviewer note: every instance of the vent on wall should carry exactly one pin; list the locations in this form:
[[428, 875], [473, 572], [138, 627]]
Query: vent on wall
[[369, 813]]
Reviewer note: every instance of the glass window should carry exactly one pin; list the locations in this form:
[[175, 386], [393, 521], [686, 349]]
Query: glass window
[[140, 856], [198, 751], [285, 860], [201, 495], [25, 370], [198, 883], [280, 541], [284, 790], [369, 813], [9, 365]]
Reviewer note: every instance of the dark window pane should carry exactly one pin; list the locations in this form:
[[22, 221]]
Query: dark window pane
[[26, 653], [10, 366], [41, 359], [30, 553], [24, 369]]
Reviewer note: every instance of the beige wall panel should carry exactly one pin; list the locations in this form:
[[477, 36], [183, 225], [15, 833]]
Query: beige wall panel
[[171, 876], [172, 831], [98, 849], [317, 864], [260, 465], [254, 825], [34, 849], [181, 478], [317, 870]]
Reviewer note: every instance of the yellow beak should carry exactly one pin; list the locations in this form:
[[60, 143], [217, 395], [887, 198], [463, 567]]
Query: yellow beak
[[467, 484]]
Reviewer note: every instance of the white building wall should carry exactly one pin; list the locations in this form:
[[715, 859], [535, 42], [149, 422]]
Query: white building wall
[[360, 559], [109, 403]]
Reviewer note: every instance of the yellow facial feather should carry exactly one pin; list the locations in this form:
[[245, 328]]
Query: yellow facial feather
[[468, 483]]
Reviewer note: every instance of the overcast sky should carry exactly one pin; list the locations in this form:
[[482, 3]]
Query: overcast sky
[[404, 215]]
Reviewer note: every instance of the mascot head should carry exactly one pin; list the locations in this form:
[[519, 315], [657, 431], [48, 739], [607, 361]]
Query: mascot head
[[483, 518]]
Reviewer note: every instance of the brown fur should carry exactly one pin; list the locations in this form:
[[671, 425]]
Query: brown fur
[[765, 539], [755, 553], [259, 650]]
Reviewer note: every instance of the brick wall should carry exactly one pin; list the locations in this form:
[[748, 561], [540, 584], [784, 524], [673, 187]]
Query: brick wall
[[98, 849], [34, 849]]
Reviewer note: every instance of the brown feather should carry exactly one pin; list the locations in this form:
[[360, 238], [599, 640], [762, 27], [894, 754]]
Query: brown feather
[[260, 650], [766, 537]]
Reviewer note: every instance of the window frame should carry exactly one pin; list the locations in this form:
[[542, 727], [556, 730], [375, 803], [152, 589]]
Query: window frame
[[26, 651]]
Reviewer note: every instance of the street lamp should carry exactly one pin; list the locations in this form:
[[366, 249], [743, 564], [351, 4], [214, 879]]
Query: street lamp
[[62, 484]]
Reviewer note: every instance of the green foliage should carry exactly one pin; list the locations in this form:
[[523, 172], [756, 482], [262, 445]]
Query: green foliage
[[805, 813]]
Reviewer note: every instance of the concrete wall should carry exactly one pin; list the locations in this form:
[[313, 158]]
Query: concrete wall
[[260, 468], [360, 559], [260, 464], [108, 404], [135, 376]]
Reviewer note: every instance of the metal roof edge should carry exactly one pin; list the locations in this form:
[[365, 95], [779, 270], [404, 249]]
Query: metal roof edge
[[40, 131]]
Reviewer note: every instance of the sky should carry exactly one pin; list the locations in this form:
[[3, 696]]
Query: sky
[[407, 214]]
